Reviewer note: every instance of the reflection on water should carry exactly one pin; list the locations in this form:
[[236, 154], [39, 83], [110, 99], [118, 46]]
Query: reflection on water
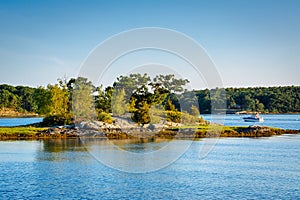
[[237, 168], [136, 155], [59, 149], [136, 145], [59, 145], [85, 144]]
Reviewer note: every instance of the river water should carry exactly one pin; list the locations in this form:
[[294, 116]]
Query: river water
[[284, 121], [235, 168], [19, 121]]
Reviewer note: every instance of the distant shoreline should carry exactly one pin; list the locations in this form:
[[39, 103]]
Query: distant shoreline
[[21, 116], [288, 113], [9, 113], [34, 115]]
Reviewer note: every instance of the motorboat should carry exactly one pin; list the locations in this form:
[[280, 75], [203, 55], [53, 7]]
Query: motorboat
[[254, 118]]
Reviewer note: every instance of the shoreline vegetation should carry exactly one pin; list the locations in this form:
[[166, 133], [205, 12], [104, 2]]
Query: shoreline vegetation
[[34, 132], [8, 113], [140, 91], [139, 106], [11, 113]]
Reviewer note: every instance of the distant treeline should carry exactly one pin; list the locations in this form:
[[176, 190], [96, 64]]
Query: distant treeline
[[56, 98], [261, 99]]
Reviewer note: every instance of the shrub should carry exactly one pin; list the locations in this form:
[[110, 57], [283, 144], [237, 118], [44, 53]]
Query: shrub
[[188, 119], [201, 120], [173, 116], [105, 117], [55, 120]]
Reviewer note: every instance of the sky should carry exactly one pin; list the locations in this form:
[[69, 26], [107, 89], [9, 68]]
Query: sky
[[251, 42]]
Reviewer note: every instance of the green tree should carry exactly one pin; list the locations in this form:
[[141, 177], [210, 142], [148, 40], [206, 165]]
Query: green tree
[[194, 111], [59, 112], [41, 98], [260, 107], [142, 93], [170, 82], [83, 100], [142, 115], [204, 101], [169, 105], [131, 84], [9, 100], [59, 101], [103, 100], [119, 106]]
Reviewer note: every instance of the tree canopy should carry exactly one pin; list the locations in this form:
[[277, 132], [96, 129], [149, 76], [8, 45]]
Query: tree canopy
[[144, 98]]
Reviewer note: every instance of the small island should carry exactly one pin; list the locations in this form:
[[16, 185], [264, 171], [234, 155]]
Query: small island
[[137, 106], [63, 132]]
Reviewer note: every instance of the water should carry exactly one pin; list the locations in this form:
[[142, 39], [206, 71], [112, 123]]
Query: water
[[19, 121], [265, 168], [287, 121], [236, 168]]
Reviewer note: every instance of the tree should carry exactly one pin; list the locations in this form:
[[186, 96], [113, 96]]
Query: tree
[[141, 93], [195, 111], [58, 111], [169, 105], [119, 106], [83, 100], [131, 84], [59, 101], [260, 107], [142, 115], [170, 82], [9, 100], [103, 100], [187, 99], [41, 98], [204, 101], [27, 102]]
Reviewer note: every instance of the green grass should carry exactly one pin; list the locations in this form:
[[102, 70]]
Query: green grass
[[20, 130], [205, 127]]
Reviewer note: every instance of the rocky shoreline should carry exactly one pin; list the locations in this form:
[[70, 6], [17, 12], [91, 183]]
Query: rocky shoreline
[[153, 132]]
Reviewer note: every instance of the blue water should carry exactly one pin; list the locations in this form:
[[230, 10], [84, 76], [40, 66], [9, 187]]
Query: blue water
[[237, 168], [19, 121], [287, 121]]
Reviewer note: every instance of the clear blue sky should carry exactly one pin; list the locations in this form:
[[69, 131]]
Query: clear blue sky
[[252, 42]]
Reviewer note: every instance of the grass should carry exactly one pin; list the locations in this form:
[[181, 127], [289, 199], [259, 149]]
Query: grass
[[20, 130], [206, 127], [201, 131]]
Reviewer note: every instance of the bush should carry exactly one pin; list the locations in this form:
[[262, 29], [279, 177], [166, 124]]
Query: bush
[[201, 120], [55, 120], [188, 119], [173, 116], [105, 117], [184, 118]]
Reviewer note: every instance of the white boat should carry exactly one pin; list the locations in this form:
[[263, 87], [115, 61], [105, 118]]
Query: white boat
[[254, 118]]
